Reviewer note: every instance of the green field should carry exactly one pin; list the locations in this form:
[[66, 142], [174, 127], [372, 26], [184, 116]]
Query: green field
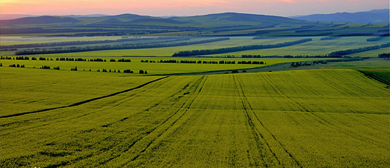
[[298, 103], [307, 118], [315, 47], [152, 68]]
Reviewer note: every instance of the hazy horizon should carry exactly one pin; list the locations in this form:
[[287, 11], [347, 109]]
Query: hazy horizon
[[188, 7]]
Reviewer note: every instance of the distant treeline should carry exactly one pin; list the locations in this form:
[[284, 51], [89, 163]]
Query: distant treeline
[[34, 45], [358, 50], [384, 55], [203, 62], [63, 59], [378, 38], [310, 63], [238, 48], [110, 47], [319, 30]]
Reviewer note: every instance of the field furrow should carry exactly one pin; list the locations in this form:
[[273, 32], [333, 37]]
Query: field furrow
[[306, 118]]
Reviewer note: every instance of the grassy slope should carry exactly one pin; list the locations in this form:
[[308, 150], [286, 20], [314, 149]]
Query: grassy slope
[[308, 118]]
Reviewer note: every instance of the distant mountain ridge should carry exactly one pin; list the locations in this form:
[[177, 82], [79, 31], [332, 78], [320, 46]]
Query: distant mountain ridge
[[373, 16], [13, 16], [41, 20], [222, 19]]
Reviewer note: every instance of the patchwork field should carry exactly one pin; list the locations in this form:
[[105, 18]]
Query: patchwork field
[[312, 48], [306, 118]]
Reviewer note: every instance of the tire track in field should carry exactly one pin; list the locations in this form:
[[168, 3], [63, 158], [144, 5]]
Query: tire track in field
[[256, 133], [85, 101], [245, 99], [347, 132], [125, 143], [64, 119], [185, 106], [148, 132], [345, 90], [277, 90]]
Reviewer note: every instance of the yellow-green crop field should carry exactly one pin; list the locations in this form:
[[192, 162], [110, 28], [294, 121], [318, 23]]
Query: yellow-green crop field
[[305, 118], [152, 68]]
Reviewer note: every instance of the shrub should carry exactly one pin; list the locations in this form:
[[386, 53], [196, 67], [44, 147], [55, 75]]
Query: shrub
[[45, 67], [127, 71]]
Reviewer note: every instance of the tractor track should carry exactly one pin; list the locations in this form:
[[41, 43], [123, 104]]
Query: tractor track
[[85, 101]]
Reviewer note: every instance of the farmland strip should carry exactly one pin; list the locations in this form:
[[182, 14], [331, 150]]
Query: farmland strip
[[85, 101], [127, 146], [245, 99], [347, 132], [186, 106], [257, 134]]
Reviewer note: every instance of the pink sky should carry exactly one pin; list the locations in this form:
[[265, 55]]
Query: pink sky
[[186, 7]]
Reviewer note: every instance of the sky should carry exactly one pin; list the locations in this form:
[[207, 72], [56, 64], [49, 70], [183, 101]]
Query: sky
[[187, 7]]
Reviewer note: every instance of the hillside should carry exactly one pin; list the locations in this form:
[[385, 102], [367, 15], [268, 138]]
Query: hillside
[[220, 24], [41, 20], [222, 19], [373, 16]]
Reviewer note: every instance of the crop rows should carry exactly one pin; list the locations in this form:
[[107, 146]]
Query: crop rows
[[309, 118]]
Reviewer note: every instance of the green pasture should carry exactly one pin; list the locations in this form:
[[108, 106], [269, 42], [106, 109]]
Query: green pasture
[[306, 118]]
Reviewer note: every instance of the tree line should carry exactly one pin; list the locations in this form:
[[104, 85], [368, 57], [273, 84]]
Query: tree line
[[384, 55], [238, 48], [111, 47], [63, 59], [358, 50], [34, 45], [310, 63], [203, 62]]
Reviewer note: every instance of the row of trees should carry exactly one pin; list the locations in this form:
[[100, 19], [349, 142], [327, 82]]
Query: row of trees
[[384, 55], [238, 48], [75, 69], [64, 59], [111, 47], [15, 65], [377, 38], [310, 63], [204, 62], [34, 45], [357, 50]]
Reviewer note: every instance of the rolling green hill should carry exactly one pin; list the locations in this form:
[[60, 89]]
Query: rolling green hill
[[220, 24]]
